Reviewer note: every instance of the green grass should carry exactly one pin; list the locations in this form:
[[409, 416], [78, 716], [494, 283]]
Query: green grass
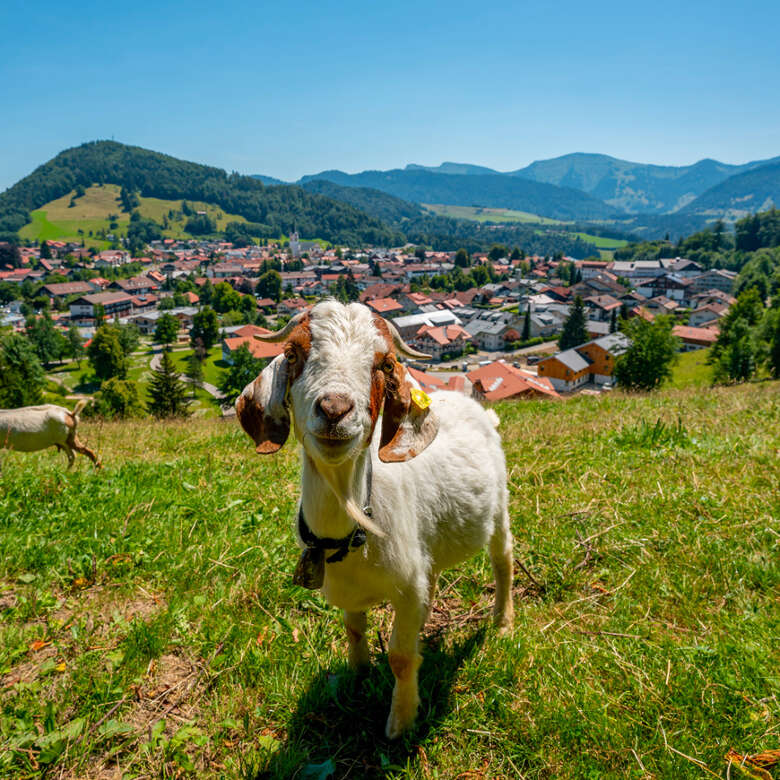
[[691, 369], [57, 221], [213, 366], [484, 214], [148, 621], [602, 242]]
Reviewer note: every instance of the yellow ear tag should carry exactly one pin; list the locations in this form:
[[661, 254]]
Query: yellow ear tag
[[420, 399]]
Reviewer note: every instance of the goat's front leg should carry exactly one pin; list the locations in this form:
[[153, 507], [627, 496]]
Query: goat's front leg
[[356, 623], [405, 661]]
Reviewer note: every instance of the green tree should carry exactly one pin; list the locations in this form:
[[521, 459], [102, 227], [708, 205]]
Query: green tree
[[118, 399], [10, 255], [734, 354], [129, 337], [75, 344], [244, 369], [774, 347], [21, 376], [106, 355], [194, 370], [575, 331], [167, 393], [45, 250], [648, 361], [526, 334], [205, 328], [613, 321], [167, 330], [462, 259], [49, 343], [269, 285], [225, 298]]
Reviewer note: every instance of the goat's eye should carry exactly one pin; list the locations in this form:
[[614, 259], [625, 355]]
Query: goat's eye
[[388, 366], [291, 355]]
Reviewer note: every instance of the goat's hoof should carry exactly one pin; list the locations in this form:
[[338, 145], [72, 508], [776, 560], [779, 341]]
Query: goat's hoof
[[399, 722], [504, 623]]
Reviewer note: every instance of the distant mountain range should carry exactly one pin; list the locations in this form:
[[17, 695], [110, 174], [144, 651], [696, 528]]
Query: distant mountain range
[[635, 187], [647, 199], [496, 190]]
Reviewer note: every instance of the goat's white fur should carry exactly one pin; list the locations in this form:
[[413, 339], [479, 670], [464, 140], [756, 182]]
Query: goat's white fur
[[33, 428], [434, 510]]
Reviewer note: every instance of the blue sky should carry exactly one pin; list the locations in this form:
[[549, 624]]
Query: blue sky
[[292, 88]]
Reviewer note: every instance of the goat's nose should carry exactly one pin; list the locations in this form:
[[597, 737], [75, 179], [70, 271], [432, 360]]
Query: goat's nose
[[334, 406]]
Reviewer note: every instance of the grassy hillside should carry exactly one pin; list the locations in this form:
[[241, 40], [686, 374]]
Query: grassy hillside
[[148, 621], [480, 214], [57, 220]]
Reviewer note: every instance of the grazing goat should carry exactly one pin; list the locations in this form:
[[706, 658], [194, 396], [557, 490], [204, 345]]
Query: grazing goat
[[430, 478], [34, 428]]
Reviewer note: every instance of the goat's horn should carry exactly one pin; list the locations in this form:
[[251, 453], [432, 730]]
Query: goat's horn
[[402, 347], [281, 335]]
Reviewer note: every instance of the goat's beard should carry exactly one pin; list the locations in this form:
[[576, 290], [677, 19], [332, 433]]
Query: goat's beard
[[339, 480]]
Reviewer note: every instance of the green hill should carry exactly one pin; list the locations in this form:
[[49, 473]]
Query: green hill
[[271, 211], [737, 196], [93, 214], [150, 624]]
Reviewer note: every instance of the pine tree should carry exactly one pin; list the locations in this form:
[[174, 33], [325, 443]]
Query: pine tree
[[613, 323], [527, 324], [167, 393], [575, 330]]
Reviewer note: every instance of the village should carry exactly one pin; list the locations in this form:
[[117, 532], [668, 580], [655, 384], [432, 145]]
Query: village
[[496, 340]]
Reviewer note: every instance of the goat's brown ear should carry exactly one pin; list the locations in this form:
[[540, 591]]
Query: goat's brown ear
[[408, 427], [262, 407]]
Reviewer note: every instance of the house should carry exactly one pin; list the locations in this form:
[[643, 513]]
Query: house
[[138, 285], [668, 285], [566, 370], [245, 336], [708, 314], [61, 290], [147, 321], [602, 306], [115, 304], [433, 384], [602, 354], [590, 362], [412, 302], [442, 340], [499, 381], [409, 325], [661, 305], [695, 338], [714, 279], [385, 307]]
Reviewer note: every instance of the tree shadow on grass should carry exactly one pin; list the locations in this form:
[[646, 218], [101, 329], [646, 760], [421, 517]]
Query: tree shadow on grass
[[341, 717]]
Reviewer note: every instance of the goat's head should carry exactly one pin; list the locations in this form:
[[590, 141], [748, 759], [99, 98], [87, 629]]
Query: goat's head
[[339, 367]]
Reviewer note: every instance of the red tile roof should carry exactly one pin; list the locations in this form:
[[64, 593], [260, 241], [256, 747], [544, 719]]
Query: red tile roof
[[500, 380], [382, 305]]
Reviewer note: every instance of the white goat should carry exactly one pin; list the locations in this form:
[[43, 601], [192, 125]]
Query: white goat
[[431, 477], [34, 428]]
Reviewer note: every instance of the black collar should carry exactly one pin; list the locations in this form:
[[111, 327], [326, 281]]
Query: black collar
[[356, 538]]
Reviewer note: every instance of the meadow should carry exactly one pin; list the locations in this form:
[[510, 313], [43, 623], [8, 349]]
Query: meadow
[[58, 221], [149, 626], [486, 214]]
